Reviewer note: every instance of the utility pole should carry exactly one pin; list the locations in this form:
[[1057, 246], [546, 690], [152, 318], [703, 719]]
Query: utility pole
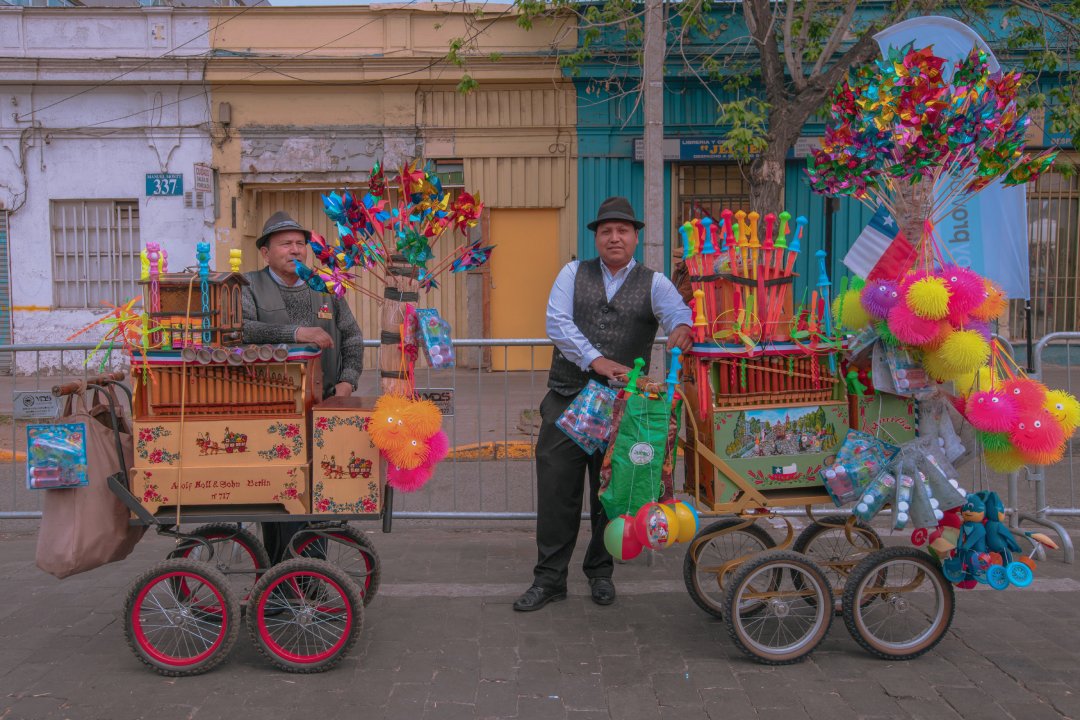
[[652, 87]]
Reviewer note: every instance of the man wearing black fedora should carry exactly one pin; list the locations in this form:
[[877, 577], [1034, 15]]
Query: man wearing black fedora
[[601, 315], [280, 308]]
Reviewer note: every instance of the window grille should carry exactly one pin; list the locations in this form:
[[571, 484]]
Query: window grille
[[95, 252]]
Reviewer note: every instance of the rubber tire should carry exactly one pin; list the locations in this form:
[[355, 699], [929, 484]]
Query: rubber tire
[[744, 571], [869, 565], [242, 537], [690, 564], [349, 591], [815, 529], [368, 584], [209, 575]]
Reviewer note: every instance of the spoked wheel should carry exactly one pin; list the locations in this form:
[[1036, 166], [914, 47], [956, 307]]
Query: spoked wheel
[[348, 549], [897, 603], [793, 607], [837, 549], [236, 552], [305, 614], [181, 617], [708, 563]]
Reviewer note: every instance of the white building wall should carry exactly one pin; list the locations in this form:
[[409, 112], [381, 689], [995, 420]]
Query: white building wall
[[138, 113]]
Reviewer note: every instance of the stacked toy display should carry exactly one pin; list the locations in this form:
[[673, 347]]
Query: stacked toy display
[[390, 232]]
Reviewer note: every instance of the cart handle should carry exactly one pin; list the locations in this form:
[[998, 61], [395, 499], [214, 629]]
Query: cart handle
[[73, 387]]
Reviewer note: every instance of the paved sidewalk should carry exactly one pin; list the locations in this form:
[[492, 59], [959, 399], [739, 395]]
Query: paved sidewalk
[[441, 641]]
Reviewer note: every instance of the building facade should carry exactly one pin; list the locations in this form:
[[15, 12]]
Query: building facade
[[104, 122]]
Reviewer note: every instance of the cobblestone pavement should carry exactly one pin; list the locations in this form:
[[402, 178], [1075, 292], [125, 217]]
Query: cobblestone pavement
[[440, 641]]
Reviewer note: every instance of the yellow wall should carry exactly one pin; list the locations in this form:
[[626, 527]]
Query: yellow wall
[[523, 267], [305, 121]]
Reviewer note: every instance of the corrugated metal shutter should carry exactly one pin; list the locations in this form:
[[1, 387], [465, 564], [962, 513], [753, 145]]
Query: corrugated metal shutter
[[5, 295]]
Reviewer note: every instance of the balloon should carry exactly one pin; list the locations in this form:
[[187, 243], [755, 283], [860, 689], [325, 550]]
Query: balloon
[[619, 538], [688, 521], [651, 526]]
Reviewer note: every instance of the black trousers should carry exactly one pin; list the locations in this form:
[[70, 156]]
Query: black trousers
[[560, 478]]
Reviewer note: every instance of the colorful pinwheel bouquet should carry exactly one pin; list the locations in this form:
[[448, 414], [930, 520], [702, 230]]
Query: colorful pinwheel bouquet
[[374, 232]]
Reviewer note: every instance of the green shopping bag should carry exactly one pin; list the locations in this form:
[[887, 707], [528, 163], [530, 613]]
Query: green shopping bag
[[639, 461]]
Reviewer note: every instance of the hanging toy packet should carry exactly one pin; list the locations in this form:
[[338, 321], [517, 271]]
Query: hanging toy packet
[[859, 460], [56, 456], [587, 421], [435, 339]]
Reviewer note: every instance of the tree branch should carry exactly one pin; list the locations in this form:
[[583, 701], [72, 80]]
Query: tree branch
[[836, 37], [789, 45], [759, 22]]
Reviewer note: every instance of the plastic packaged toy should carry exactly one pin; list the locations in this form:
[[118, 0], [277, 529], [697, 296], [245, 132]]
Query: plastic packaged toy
[[435, 338], [878, 492], [56, 456], [587, 421]]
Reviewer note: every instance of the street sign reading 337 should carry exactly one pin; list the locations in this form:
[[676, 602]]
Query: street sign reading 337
[[166, 184]]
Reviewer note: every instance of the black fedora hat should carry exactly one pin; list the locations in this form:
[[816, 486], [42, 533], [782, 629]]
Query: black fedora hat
[[279, 222], [615, 209]]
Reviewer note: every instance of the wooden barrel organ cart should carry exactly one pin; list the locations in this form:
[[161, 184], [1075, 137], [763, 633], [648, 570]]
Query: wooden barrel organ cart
[[226, 435], [770, 415]]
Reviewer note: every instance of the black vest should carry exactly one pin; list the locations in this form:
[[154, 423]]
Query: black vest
[[270, 307], [622, 329]]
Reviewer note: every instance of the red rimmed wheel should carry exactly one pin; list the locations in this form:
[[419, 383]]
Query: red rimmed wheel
[[181, 617], [236, 552], [305, 615], [348, 549]]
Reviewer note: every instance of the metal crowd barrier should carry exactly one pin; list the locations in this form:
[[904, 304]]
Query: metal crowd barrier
[[490, 474]]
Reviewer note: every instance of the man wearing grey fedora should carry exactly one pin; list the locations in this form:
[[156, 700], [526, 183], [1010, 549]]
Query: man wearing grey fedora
[[280, 308], [601, 315]]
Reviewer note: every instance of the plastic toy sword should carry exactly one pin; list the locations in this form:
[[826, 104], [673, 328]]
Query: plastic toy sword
[[763, 271], [673, 374], [823, 285], [708, 252]]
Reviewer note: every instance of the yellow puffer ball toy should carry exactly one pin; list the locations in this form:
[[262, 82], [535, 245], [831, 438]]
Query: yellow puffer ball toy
[[964, 351], [1065, 408], [929, 298], [388, 428], [423, 418], [936, 367], [1006, 461], [848, 311]]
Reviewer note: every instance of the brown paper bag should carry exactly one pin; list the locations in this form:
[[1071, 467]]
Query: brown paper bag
[[86, 527]]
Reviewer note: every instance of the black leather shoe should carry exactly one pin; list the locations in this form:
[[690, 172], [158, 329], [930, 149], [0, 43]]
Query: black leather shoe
[[603, 590], [537, 597]]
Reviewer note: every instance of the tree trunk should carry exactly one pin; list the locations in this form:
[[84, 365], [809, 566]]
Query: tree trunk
[[767, 179], [401, 290]]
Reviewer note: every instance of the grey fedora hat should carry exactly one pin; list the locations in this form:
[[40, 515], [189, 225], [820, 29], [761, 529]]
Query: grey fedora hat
[[615, 209], [278, 222]]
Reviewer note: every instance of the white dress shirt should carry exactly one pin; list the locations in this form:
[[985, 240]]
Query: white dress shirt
[[667, 306]]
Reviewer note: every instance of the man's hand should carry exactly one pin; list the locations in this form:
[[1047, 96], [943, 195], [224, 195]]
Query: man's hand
[[609, 368], [343, 389], [680, 338], [315, 336]]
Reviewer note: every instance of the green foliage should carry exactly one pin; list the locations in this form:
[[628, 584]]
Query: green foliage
[[746, 121], [467, 84]]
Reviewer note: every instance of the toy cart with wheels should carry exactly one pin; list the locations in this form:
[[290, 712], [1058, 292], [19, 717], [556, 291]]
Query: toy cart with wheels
[[762, 450], [303, 614]]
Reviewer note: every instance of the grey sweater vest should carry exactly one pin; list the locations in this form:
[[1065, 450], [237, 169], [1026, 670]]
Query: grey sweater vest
[[270, 304], [622, 329]]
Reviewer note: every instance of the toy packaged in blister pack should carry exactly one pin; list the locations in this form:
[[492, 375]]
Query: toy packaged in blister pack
[[587, 421], [859, 459], [435, 338], [56, 456]]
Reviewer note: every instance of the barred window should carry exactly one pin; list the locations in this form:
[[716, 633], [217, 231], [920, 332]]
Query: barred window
[[95, 252]]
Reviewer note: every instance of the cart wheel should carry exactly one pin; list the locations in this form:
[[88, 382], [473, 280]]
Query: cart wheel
[[1019, 574], [305, 614], [348, 549], [181, 617], [794, 614], [705, 556], [910, 604], [826, 543], [237, 553], [997, 577]]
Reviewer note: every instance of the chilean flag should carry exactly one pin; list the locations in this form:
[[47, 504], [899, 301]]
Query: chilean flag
[[881, 251]]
